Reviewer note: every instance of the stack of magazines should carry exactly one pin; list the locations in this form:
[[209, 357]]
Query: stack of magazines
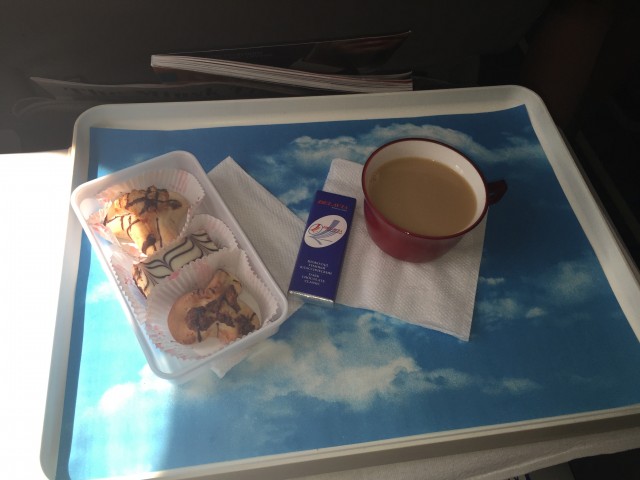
[[354, 65]]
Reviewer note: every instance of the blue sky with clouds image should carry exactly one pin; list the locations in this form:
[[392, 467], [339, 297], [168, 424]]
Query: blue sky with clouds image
[[548, 336]]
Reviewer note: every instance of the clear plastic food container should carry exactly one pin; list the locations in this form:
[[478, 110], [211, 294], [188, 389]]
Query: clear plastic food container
[[86, 202]]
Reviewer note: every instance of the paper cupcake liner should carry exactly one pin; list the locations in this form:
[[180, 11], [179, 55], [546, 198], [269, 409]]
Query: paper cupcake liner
[[122, 266], [174, 180], [197, 275]]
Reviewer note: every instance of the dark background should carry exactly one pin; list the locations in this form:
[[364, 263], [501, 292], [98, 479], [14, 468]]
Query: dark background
[[581, 56]]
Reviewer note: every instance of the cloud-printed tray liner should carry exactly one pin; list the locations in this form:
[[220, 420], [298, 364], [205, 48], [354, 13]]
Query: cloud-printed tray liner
[[122, 264], [197, 275], [174, 180]]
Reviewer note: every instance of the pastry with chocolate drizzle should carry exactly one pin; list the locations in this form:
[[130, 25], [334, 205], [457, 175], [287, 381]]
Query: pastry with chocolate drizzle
[[147, 273], [150, 218], [215, 311]]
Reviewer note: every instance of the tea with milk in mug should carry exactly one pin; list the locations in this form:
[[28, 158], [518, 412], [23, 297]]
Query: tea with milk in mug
[[422, 196]]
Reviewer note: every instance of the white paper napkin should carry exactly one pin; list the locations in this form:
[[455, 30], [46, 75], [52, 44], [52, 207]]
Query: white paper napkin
[[273, 229], [439, 295]]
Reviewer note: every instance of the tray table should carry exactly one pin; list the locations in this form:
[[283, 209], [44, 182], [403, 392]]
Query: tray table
[[553, 352]]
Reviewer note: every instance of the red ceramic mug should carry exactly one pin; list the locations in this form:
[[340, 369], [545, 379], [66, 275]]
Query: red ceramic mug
[[402, 243]]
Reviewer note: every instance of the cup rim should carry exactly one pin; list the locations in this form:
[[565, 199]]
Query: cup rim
[[404, 230]]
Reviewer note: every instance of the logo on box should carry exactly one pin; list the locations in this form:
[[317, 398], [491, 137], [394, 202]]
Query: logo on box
[[325, 231]]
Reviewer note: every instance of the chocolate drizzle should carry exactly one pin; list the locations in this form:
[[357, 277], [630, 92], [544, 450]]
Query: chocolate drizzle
[[152, 200], [222, 310], [246, 324], [146, 217], [191, 247]]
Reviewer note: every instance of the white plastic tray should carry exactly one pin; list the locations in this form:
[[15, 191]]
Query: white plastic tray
[[621, 273]]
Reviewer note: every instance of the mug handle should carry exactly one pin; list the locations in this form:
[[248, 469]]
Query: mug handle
[[495, 191]]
